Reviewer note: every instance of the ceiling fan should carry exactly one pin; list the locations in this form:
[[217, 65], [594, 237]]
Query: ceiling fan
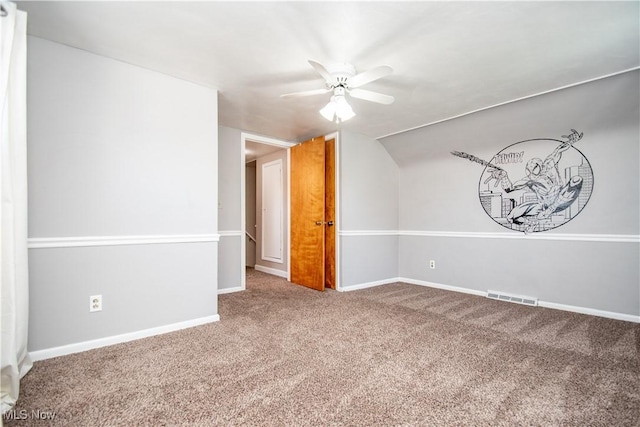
[[341, 79]]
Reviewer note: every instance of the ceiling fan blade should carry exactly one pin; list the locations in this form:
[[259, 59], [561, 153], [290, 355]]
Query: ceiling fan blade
[[370, 75], [326, 75], [368, 95], [305, 93]]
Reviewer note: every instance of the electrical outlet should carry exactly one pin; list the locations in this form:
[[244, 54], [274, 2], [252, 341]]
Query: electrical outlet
[[95, 303], [432, 264]]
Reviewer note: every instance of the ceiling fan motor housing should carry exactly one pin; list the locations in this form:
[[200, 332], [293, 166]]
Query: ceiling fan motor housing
[[340, 73]]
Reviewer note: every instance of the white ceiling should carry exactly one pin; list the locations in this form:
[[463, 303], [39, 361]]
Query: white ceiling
[[254, 150], [449, 58]]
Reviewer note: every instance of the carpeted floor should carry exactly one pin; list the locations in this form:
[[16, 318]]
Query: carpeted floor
[[399, 354]]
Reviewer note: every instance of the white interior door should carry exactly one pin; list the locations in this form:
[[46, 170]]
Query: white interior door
[[272, 211]]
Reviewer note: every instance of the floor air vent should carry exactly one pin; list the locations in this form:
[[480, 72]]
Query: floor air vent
[[518, 299]]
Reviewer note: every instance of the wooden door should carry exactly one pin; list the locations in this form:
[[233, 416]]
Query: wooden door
[[329, 215], [307, 186]]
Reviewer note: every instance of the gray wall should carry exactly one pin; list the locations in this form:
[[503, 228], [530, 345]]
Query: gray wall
[[284, 266], [439, 194], [368, 211], [117, 151], [229, 208]]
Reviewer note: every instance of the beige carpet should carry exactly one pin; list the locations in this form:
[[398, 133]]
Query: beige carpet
[[399, 354]]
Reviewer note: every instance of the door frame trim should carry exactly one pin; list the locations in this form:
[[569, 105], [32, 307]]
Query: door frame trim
[[336, 136]]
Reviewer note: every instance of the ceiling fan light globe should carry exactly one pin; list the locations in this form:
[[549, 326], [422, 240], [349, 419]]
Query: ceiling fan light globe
[[343, 109], [329, 110]]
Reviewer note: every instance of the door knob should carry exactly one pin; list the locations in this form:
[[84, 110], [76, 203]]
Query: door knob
[[319, 222], [330, 223]]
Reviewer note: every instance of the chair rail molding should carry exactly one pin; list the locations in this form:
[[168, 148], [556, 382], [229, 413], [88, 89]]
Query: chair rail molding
[[230, 233], [86, 241], [613, 238]]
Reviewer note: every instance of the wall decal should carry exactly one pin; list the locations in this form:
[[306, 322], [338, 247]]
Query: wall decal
[[553, 183]]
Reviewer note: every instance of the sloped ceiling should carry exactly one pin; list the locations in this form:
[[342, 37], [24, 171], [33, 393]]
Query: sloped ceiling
[[449, 58]]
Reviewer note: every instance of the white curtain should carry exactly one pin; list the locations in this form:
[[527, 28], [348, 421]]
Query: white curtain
[[14, 293]]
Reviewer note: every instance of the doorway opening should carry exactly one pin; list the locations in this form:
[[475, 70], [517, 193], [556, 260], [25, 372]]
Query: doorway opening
[[264, 245], [262, 153]]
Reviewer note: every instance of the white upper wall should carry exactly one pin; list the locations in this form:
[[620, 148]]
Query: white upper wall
[[116, 149], [229, 175], [368, 184]]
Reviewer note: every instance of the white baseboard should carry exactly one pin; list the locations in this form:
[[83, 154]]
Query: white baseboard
[[272, 271], [117, 339], [553, 305], [556, 306], [367, 285], [591, 311], [230, 290], [441, 286]]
